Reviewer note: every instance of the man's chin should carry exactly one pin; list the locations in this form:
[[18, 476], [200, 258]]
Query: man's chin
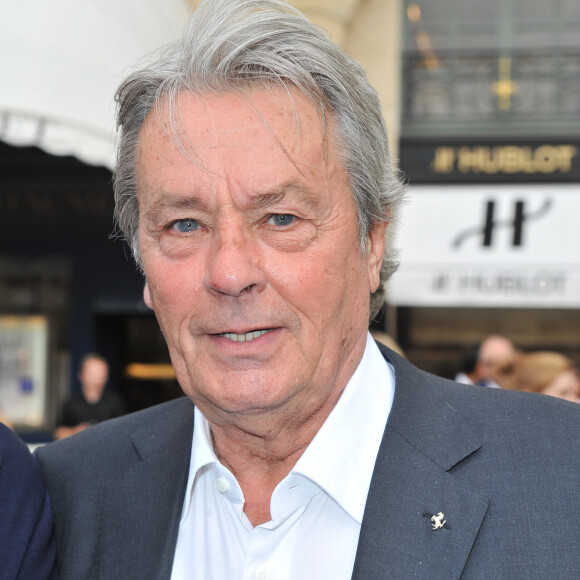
[[243, 405]]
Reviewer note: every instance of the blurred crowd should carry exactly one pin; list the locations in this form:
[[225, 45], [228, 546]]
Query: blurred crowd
[[497, 363]]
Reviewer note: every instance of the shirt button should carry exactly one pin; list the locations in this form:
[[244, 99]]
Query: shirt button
[[222, 484], [262, 573]]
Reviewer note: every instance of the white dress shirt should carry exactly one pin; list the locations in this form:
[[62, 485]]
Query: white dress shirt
[[316, 510]]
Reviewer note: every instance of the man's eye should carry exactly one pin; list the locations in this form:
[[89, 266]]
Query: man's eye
[[185, 226], [281, 219]]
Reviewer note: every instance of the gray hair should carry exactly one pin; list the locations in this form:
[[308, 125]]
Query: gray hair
[[234, 45]]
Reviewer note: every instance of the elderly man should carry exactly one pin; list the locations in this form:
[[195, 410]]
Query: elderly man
[[255, 187]]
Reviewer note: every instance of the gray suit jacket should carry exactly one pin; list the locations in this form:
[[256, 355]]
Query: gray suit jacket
[[503, 468]]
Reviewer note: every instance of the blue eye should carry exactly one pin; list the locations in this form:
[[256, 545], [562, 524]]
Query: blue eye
[[281, 219], [185, 226]]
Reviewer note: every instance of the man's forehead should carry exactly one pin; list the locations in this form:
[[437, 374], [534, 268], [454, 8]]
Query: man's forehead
[[236, 134], [231, 118]]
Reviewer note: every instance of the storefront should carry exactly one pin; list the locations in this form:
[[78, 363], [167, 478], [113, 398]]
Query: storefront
[[489, 243], [66, 286], [490, 147]]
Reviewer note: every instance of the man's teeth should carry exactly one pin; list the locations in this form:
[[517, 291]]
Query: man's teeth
[[245, 337]]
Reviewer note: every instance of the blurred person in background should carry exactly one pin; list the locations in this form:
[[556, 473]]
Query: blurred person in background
[[484, 364], [27, 548], [470, 370], [496, 355], [92, 403], [545, 372], [565, 386]]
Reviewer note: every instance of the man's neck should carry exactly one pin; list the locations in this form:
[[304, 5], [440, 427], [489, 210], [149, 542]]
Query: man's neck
[[261, 447], [92, 394], [261, 451]]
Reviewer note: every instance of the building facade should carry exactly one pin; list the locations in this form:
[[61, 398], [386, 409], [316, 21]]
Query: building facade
[[490, 145]]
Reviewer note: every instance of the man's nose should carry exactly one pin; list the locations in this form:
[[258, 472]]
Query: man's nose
[[234, 263]]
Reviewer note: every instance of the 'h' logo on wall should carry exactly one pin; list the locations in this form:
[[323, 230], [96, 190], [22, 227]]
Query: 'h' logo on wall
[[520, 217]]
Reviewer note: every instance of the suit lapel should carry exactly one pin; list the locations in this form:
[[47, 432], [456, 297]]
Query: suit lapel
[[141, 509], [424, 439]]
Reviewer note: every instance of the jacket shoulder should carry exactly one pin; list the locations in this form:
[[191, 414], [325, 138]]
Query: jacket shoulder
[[107, 446], [429, 410], [422, 391]]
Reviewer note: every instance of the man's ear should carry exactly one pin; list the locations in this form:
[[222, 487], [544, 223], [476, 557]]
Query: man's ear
[[375, 253], [147, 296]]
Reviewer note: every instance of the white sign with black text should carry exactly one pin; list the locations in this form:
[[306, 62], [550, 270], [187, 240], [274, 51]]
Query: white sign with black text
[[489, 246]]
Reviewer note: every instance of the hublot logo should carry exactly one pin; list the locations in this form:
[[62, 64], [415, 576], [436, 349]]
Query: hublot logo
[[521, 217]]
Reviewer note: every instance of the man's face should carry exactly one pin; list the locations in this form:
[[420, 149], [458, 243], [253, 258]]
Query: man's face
[[565, 386], [495, 350], [253, 262], [94, 374]]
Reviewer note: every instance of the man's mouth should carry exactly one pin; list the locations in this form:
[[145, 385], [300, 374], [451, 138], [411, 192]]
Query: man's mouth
[[246, 336]]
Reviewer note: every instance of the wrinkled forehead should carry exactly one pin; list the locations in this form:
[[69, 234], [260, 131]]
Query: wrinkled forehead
[[188, 121]]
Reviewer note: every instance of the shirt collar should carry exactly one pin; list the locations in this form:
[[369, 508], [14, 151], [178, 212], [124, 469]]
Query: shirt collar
[[202, 454], [341, 457]]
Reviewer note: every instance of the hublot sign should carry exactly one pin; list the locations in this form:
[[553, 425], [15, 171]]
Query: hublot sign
[[485, 161]]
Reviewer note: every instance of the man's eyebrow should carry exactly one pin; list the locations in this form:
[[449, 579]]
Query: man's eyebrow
[[171, 201], [291, 189]]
